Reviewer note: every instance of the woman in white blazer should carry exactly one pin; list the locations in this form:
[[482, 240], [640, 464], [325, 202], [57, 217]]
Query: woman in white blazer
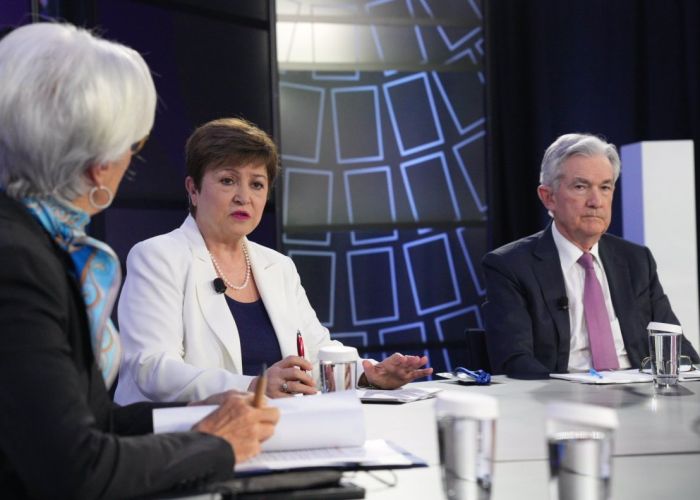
[[202, 302]]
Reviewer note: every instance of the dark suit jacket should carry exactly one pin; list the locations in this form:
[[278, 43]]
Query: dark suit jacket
[[527, 329], [60, 435]]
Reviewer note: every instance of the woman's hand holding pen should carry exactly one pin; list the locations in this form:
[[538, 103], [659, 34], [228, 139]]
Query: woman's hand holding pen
[[395, 371], [242, 423], [288, 377]]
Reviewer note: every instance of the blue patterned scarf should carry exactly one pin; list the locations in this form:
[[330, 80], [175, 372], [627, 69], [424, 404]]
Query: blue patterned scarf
[[97, 269]]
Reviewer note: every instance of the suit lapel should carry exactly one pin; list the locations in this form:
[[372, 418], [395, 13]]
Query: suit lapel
[[212, 305], [549, 276], [268, 271]]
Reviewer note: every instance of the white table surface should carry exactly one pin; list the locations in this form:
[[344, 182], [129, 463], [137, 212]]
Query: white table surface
[[656, 448], [649, 424], [663, 477]]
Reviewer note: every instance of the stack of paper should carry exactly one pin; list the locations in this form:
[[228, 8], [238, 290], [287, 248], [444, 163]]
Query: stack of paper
[[375, 453], [403, 395], [631, 376], [689, 376], [327, 420], [325, 430], [320, 421]]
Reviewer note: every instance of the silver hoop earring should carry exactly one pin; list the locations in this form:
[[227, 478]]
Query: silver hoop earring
[[91, 197]]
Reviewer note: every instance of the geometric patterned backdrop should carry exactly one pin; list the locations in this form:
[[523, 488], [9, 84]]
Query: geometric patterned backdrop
[[383, 191], [383, 188]]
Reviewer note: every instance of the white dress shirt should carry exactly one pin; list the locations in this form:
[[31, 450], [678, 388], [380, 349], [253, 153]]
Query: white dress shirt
[[574, 278]]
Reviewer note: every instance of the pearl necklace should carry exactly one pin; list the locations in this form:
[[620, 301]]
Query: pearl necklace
[[247, 270]]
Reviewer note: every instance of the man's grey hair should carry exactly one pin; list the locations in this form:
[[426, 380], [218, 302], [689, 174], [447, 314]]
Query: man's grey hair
[[68, 100], [569, 145]]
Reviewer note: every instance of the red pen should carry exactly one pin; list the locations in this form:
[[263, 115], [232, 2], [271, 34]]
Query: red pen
[[300, 346]]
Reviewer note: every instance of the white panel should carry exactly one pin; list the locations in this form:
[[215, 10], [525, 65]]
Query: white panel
[[658, 205]]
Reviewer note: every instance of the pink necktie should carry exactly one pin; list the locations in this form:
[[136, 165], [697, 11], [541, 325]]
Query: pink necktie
[[600, 335]]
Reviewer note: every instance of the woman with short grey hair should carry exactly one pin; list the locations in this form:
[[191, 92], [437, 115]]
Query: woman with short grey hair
[[74, 109], [86, 103]]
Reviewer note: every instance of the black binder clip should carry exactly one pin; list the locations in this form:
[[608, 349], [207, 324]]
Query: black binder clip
[[480, 377]]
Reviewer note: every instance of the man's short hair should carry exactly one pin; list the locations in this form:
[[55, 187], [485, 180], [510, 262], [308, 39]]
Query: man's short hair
[[569, 145]]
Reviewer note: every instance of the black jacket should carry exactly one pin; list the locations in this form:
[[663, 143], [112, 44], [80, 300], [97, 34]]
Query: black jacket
[[60, 434], [527, 329]]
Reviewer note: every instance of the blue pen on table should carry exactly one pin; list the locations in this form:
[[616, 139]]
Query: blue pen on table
[[595, 373], [480, 377]]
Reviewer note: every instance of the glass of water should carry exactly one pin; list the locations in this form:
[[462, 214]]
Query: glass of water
[[466, 425], [580, 442], [665, 352], [338, 368]]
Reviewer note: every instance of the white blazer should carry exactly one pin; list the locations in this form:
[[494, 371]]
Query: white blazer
[[180, 341]]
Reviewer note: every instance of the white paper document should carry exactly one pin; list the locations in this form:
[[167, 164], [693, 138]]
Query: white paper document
[[179, 419], [685, 374], [631, 376], [689, 376], [403, 395], [373, 453], [321, 421]]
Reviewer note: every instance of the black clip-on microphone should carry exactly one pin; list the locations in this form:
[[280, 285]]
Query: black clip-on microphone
[[219, 285], [563, 303]]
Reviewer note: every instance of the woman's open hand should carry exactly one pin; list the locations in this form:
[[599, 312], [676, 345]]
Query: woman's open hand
[[396, 370]]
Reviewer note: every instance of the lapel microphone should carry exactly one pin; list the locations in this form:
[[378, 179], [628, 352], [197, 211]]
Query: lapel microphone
[[562, 303], [219, 285]]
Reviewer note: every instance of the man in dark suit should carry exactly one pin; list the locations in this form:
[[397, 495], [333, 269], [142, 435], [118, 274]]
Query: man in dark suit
[[536, 322]]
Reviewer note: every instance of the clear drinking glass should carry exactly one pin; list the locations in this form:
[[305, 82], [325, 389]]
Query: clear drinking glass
[[466, 425], [665, 352], [580, 442], [338, 368]]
